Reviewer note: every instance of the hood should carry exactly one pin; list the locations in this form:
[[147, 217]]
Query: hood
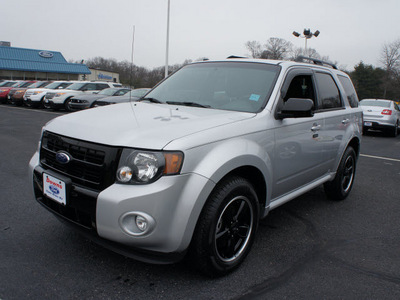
[[141, 125], [39, 90]]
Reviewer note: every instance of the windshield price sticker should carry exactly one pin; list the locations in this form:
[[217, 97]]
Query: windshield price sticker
[[54, 188]]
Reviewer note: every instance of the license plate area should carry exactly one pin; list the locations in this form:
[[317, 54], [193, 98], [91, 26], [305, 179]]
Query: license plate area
[[367, 123], [54, 189]]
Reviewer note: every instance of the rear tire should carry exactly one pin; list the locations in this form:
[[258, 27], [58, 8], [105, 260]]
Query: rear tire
[[340, 187], [226, 227]]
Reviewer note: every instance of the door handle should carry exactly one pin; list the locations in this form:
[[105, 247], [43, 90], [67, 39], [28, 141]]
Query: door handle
[[315, 128], [345, 121]]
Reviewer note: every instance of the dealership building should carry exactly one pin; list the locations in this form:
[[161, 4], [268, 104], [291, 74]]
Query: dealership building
[[33, 64]]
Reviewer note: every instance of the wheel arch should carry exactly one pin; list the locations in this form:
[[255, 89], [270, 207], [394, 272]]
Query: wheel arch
[[255, 178], [355, 144]]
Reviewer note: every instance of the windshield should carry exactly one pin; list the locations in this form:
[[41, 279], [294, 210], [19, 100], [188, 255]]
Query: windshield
[[237, 86], [76, 86], [56, 85], [375, 103], [7, 83], [25, 84], [37, 84], [138, 92], [108, 92]]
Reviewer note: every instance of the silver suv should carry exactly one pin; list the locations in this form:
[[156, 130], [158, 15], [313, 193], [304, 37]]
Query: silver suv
[[194, 166]]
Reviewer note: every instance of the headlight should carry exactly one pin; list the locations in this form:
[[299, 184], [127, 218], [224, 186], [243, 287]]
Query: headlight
[[59, 94], [138, 167], [37, 92]]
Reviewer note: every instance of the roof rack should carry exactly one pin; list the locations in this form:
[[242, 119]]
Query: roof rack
[[235, 56], [319, 62]]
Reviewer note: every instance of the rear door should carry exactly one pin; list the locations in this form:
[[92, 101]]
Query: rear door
[[338, 118]]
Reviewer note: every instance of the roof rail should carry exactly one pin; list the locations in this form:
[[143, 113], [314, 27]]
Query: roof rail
[[319, 62], [234, 56]]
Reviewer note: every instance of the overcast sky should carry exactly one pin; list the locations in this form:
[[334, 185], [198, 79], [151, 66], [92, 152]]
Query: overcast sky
[[351, 30]]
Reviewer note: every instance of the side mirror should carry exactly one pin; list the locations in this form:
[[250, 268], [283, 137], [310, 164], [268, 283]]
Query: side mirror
[[296, 108]]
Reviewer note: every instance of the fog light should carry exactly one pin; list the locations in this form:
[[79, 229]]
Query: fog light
[[141, 223], [137, 223]]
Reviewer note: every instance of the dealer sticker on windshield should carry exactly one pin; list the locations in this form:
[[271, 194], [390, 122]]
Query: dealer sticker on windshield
[[54, 188]]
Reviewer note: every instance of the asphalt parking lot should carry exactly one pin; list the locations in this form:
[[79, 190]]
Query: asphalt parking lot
[[309, 248]]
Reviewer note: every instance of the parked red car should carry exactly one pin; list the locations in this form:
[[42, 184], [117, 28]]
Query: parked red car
[[4, 91], [16, 95]]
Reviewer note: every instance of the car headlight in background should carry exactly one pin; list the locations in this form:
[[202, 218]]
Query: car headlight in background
[[37, 92], [139, 167], [59, 94]]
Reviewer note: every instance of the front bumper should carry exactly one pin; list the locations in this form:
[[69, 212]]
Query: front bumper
[[53, 104], [174, 202], [79, 106], [34, 98]]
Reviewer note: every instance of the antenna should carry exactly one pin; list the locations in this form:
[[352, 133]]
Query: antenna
[[130, 73]]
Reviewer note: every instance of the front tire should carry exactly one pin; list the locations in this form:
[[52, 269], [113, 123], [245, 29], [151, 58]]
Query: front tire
[[340, 187], [226, 227], [66, 104]]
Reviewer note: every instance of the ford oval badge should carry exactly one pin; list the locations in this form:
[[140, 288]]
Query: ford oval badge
[[63, 157], [54, 190], [46, 54]]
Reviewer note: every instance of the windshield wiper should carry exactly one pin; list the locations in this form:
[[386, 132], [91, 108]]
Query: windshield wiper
[[194, 104], [153, 100]]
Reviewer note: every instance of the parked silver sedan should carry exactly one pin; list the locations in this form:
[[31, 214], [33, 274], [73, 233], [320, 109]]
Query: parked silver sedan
[[382, 115], [128, 97], [85, 101]]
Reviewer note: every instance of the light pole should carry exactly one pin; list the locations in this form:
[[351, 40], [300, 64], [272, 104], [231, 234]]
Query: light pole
[[307, 34], [166, 54]]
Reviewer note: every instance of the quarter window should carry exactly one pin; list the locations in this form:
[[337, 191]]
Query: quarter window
[[350, 91], [90, 87], [329, 95], [101, 86]]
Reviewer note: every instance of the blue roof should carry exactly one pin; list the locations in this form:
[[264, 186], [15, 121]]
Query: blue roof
[[21, 59]]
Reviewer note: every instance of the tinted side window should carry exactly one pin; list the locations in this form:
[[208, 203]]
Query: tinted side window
[[101, 86], [302, 87], [90, 87], [350, 91], [328, 91]]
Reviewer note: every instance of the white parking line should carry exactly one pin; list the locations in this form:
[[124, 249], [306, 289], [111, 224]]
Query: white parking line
[[379, 157]]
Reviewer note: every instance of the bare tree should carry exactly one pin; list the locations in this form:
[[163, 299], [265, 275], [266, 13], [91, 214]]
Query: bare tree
[[277, 48], [255, 48], [390, 58], [299, 51]]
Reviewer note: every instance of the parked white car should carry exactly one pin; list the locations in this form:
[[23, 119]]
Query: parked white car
[[62, 98], [381, 114], [196, 163], [35, 97]]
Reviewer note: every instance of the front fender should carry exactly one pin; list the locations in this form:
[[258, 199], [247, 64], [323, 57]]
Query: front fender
[[215, 161]]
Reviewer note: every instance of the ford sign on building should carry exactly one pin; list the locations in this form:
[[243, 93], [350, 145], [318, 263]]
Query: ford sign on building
[[37, 64]]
